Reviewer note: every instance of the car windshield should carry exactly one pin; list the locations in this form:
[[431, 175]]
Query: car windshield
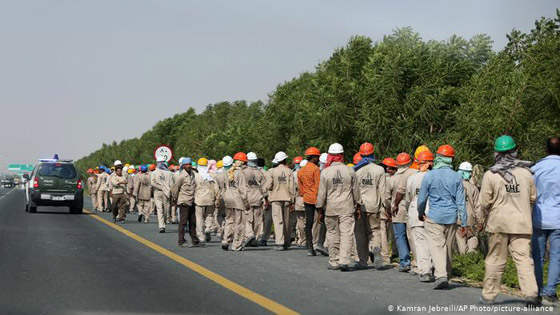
[[58, 170]]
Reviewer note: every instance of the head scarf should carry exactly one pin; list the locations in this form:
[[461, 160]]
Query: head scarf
[[162, 166], [252, 163], [465, 174], [236, 166], [442, 161], [332, 158], [212, 168], [203, 171], [365, 161], [506, 162]]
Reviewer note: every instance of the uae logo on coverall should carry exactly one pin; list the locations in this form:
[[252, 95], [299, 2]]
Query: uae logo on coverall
[[338, 179], [368, 181], [282, 178], [513, 187]]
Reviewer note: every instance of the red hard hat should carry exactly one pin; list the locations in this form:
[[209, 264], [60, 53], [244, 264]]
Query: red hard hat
[[90, 171], [446, 150], [403, 159], [298, 159], [152, 167], [240, 156], [312, 151], [425, 156], [389, 162], [357, 158], [366, 149]]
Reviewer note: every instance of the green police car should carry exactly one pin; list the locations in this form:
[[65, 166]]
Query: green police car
[[54, 183]]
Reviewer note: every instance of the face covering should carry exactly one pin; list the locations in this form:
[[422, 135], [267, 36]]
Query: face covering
[[162, 166], [506, 162], [203, 171], [442, 161], [333, 159], [365, 161], [252, 163], [464, 174]]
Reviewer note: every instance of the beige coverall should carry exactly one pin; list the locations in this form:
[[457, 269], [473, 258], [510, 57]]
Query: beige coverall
[[469, 242], [508, 208], [103, 191], [254, 217], [143, 193], [118, 186], [93, 187], [205, 199], [161, 182], [280, 185], [235, 200], [339, 193]]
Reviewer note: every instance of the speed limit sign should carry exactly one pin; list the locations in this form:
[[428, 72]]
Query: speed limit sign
[[163, 151]]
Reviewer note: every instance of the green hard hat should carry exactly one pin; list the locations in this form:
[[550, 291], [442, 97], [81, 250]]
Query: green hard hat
[[193, 163], [504, 144]]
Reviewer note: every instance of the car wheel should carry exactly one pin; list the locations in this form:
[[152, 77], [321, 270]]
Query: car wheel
[[32, 209]]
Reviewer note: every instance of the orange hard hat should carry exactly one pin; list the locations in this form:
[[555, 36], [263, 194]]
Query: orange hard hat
[[425, 156], [366, 149], [312, 151], [171, 167], [403, 159], [446, 150], [152, 167], [390, 162], [298, 159], [357, 158], [90, 171], [240, 156]]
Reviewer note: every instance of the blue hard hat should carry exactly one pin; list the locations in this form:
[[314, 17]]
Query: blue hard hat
[[143, 168]]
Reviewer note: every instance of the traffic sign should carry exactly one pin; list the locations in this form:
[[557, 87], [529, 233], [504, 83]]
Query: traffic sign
[[163, 151], [21, 167]]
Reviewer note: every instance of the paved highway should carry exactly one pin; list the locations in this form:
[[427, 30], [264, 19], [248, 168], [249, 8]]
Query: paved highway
[[52, 262]]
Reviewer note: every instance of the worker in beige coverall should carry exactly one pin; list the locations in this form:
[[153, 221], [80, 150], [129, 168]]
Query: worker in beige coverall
[[92, 187], [103, 191], [507, 196], [143, 193], [256, 193], [467, 242], [235, 199], [161, 182], [339, 201], [280, 185], [206, 198]]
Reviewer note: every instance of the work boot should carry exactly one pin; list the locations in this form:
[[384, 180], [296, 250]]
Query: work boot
[[344, 268], [404, 268], [279, 248], [426, 278], [225, 246], [360, 266], [140, 217], [484, 301], [337, 267], [532, 301], [262, 242], [199, 244], [321, 249], [207, 236], [441, 283], [311, 252], [377, 259], [162, 230], [248, 241]]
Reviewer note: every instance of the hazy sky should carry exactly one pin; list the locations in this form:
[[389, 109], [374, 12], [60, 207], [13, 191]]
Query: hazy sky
[[75, 74]]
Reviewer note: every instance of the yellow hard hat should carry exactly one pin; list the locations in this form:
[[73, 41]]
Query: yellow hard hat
[[421, 148], [350, 164], [127, 165], [130, 170], [202, 161], [220, 164]]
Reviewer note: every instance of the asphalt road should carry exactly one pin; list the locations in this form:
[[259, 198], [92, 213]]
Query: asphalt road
[[52, 262]]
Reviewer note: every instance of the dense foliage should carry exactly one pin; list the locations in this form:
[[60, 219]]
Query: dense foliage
[[397, 93]]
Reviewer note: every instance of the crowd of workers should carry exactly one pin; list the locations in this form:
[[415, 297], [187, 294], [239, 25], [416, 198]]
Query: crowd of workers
[[416, 207]]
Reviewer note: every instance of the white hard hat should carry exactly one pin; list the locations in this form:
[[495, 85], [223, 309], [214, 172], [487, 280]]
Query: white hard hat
[[303, 163], [336, 148], [117, 162], [227, 160], [160, 158], [280, 156], [274, 161], [465, 166], [251, 156], [125, 169], [131, 166], [323, 158]]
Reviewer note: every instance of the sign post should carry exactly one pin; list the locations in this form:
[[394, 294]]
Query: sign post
[[163, 151]]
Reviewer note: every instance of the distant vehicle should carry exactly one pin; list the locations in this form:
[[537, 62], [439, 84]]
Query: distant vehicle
[[54, 183], [8, 182]]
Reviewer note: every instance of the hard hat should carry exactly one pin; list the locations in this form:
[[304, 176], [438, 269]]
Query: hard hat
[[220, 164], [194, 164], [117, 162], [357, 158], [185, 160], [127, 165], [130, 170], [160, 158], [298, 159], [227, 160], [504, 143], [131, 166], [108, 170], [403, 159], [89, 171], [446, 150], [335, 148], [425, 156], [465, 166], [252, 156], [143, 168], [303, 163], [390, 162], [323, 158], [350, 164], [152, 167], [240, 156], [312, 151], [280, 156], [203, 161], [421, 148], [274, 161], [101, 167], [366, 149]]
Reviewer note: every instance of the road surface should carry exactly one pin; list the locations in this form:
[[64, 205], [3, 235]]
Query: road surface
[[52, 262]]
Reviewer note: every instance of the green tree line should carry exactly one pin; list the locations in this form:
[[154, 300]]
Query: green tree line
[[397, 93]]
